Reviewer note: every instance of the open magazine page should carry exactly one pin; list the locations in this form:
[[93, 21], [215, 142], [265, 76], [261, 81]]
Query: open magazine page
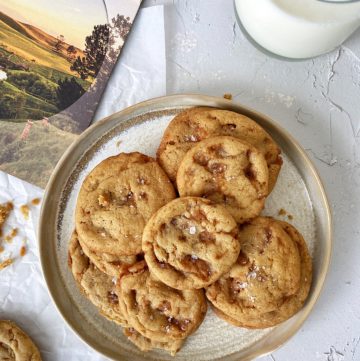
[[55, 60]]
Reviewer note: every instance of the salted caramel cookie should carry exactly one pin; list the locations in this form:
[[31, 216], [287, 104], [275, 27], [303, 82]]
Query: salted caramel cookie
[[15, 344], [97, 286], [271, 279], [110, 264], [158, 311], [116, 200], [227, 171], [145, 344], [190, 242], [196, 124]]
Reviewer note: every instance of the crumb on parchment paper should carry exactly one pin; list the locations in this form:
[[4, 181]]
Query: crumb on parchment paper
[[36, 201], [24, 209], [5, 210], [228, 96], [6, 263]]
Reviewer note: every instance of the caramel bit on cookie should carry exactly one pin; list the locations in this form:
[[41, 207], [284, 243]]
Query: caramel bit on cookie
[[217, 168], [6, 263], [242, 260], [193, 264], [104, 200], [164, 306], [36, 201], [228, 96], [24, 209], [112, 298], [206, 237], [22, 251]]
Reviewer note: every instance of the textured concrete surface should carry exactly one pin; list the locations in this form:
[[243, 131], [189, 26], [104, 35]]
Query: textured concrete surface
[[318, 101]]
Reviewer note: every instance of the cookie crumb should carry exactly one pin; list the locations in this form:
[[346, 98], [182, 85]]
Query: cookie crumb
[[9, 238], [282, 212], [228, 96], [36, 201], [6, 263], [5, 210], [2, 249], [22, 251], [118, 143], [290, 217], [24, 209]]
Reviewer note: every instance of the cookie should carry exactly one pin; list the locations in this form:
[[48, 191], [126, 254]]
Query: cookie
[[196, 124], [190, 242], [271, 279], [15, 344], [110, 264], [97, 286], [227, 171], [157, 311], [145, 344], [116, 200]]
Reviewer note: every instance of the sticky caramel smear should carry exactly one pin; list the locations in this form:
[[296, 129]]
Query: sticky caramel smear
[[6, 263], [282, 212], [228, 96], [22, 251], [24, 209], [36, 201]]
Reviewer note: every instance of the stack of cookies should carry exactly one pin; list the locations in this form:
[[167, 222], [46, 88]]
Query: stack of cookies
[[156, 239]]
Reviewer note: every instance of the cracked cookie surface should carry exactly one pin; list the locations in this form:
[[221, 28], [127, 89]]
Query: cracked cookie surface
[[227, 171], [196, 124], [270, 280], [97, 286], [116, 200], [15, 344], [157, 311], [190, 242]]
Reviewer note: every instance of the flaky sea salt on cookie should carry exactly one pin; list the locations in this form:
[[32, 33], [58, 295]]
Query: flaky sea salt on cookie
[[196, 124], [190, 242], [227, 171], [271, 279], [116, 200]]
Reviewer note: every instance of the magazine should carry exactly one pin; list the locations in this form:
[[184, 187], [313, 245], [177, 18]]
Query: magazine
[[55, 60]]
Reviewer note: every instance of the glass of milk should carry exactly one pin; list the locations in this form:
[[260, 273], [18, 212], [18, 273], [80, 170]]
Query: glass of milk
[[298, 28]]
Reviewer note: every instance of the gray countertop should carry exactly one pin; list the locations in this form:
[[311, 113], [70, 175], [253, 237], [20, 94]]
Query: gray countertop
[[318, 101]]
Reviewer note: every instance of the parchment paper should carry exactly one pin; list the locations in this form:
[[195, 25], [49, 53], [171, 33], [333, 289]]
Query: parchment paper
[[139, 75]]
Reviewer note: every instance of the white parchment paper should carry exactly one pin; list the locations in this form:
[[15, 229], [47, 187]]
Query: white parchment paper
[[139, 75]]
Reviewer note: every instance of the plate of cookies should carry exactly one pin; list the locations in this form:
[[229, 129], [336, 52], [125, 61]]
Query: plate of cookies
[[185, 227]]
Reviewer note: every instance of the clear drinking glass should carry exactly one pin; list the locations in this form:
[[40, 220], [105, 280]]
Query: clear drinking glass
[[298, 28]]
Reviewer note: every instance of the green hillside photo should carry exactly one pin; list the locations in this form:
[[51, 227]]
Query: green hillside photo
[[33, 67]]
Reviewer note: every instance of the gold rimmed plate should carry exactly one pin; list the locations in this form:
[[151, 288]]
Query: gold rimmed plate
[[139, 128]]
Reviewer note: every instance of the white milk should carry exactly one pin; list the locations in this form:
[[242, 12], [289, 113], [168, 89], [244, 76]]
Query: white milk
[[298, 28]]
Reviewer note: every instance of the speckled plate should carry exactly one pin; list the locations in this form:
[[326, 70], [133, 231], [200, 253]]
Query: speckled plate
[[139, 128]]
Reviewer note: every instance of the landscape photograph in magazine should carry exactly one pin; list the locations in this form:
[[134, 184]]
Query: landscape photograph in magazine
[[55, 60]]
